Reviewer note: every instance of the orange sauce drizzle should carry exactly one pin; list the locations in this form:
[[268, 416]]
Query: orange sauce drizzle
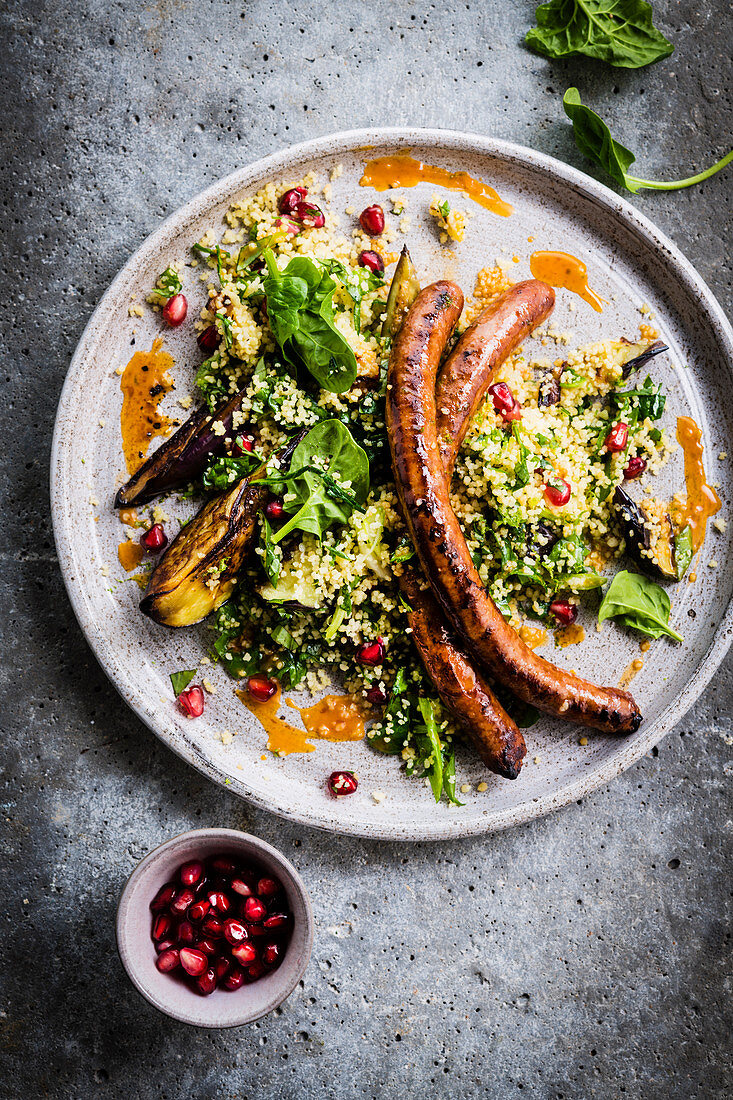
[[563, 270], [130, 555], [129, 517], [144, 382], [570, 635], [532, 636], [385, 172], [631, 670], [334, 718], [702, 500]]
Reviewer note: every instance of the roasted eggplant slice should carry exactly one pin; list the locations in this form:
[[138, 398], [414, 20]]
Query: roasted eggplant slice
[[641, 354], [549, 388], [403, 291], [182, 457], [198, 571], [649, 536]]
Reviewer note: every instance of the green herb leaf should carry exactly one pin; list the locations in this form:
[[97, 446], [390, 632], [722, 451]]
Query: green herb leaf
[[300, 313], [181, 680], [168, 285], [225, 470], [648, 404], [444, 208], [619, 32], [428, 710], [639, 603], [449, 780], [390, 734], [273, 554], [594, 140]]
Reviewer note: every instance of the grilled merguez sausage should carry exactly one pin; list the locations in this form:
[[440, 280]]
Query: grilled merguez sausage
[[465, 693], [466, 374], [439, 541]]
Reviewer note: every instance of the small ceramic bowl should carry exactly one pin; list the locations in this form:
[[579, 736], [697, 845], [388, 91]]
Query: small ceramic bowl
[[221, 1008]]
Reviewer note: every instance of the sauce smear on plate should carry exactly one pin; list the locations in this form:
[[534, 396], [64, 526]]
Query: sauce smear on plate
[[385, 172], [334, 718], [130, 554], [144, 382], [702, 500], [560, 269]]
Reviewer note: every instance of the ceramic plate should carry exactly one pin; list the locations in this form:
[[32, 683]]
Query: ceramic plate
[[630, 263]]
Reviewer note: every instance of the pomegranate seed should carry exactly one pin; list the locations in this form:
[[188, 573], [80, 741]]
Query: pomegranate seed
[[224, 865], [272, 953], [220, 901], [234, 931], [291, 199], [557, 492], [255, 930], [182, 901], [372, 654], [564, 612], [635, 468], [164, 945], [193, 961], [163, 898], [310, 215], [372, 260], [207, 982], [209, 339], [274, 509], [242, 444], [239, 886], [234, 980], [261, 688], [207, 946], [256, 970], [161, 926], [191, 701], [221, 966], [342, 783], [213, 927], [186, 932], [175, 310], [376, 696], [277, 920], [190, 873], [168, 960], [267, 887], [198, 910], [504, 402], [618, 437], [244, 953], [155, 539], [254, 910], [372, 220]]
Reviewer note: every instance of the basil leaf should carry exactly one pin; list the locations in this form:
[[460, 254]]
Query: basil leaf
[[300, 314], [181, 680], [683, 551], [639, 603], [594, 140], [619, 32]]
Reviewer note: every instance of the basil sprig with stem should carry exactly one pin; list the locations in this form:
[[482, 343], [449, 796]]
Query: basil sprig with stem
[[639, 603], [620, 32], [594, 140]]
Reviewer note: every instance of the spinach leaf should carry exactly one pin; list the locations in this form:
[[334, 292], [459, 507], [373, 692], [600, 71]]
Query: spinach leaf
[[181, 680], [314, 490], [683, 551], [619, 32], [639, 603], [300, 313], [594, 140]]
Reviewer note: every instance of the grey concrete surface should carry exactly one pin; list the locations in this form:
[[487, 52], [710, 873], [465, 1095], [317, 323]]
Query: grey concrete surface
[[584, 955]]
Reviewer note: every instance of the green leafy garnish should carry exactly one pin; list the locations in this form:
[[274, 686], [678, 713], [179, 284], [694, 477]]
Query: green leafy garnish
[[300, 313], [225, 470], [619, 32], [273, 560], [594, 140], [444, 208], [647, 404], [181, 680], [168, 285], [683, 551], [637, 602], [315, 493]]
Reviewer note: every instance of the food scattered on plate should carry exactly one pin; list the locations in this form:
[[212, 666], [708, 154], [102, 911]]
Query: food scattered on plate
[[398, 493]]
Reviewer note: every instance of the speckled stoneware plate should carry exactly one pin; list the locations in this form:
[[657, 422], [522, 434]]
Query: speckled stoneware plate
[[630, 263]]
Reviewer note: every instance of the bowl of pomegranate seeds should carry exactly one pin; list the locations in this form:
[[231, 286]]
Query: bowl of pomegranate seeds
[[215, 928]]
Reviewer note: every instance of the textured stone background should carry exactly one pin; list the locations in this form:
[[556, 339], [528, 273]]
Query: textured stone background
[[585, 955]]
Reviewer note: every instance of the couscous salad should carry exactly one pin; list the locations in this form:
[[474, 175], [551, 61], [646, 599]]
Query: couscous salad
[[398, 501]]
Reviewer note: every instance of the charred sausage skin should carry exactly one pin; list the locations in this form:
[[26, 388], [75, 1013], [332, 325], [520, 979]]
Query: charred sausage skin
[[464, 692], [466, 374], [439, 541]]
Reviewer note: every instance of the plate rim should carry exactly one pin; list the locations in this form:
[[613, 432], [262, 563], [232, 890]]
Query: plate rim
[[349, 141]]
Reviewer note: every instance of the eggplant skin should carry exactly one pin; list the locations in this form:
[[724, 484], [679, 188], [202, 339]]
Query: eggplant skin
[[198, 571], [646, 352], [657, 561], [182, 457], [403, 290]]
